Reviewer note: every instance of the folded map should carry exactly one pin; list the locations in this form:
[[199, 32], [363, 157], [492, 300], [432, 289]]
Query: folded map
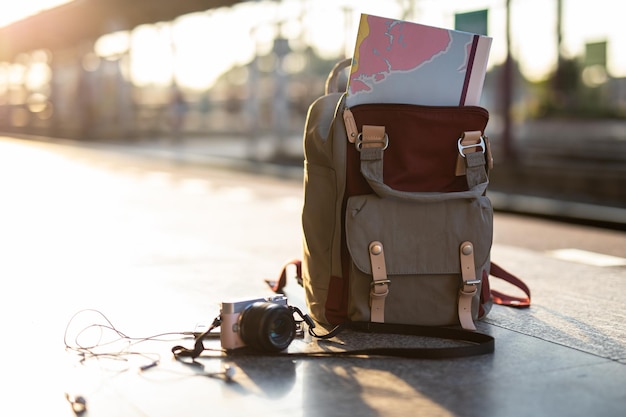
[[397, 61]]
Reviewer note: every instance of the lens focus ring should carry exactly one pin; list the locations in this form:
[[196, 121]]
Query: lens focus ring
[[266, 326]]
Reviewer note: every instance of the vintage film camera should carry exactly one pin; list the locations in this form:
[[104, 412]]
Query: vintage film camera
[[264, 324]]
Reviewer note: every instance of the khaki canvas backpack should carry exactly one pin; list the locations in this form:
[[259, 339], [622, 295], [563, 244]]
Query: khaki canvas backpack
[[397, 227]]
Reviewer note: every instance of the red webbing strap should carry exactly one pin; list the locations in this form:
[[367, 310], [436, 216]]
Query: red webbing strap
[[505, 299], [278, 285]]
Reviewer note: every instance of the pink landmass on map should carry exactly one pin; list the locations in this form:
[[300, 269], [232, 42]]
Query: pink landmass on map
[[392, 45]]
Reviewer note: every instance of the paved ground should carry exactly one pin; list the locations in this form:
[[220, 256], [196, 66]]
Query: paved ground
[[156, 244]]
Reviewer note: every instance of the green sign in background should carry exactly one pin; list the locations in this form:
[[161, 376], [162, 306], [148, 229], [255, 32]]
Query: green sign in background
[[473, 22]]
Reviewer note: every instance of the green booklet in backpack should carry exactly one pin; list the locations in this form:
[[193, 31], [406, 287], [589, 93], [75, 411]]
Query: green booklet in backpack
[[397, 61]]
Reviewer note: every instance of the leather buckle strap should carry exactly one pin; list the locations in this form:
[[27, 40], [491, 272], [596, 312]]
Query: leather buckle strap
[[380, 283], [469, 286]]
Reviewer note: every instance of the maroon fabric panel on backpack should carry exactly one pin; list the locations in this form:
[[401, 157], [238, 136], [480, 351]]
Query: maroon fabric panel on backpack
[[422, 151]]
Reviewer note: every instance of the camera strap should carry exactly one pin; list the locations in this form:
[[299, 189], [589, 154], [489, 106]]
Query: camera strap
[[474, 343], [183, 352]]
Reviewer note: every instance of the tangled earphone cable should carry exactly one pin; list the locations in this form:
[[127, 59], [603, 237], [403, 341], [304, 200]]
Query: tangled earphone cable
[[94, 349]]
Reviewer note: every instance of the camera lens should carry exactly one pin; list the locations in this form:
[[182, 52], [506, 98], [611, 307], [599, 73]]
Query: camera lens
[[265, 326]]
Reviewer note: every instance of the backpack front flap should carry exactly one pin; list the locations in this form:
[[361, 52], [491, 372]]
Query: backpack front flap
[[421, 246]]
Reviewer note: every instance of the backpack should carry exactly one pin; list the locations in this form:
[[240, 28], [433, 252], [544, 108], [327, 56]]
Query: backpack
[[397, 227]]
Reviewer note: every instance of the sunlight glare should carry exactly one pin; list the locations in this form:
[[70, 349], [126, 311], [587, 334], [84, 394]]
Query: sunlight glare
[[199, 59], [151, 60], [11, 11], [113, 44]]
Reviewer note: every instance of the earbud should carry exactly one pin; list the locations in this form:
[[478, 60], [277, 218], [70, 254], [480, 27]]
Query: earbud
[[148, 366], [229, 372], [77, 402]]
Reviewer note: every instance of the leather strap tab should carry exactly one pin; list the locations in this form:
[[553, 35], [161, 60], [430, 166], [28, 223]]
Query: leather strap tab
[[351, 130], [372, 137], [469, 285], [380, 282]]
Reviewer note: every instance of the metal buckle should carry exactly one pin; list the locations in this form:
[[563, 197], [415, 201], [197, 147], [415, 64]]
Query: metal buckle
[[358, 143], [473, 283], [381, 282], [472, 292], [480, 144]]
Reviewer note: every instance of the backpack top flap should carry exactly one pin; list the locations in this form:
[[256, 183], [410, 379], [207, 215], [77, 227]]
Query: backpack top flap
[[418, 238]]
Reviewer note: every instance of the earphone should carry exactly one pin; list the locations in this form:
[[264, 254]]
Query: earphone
[[91, 350], [77, 402]]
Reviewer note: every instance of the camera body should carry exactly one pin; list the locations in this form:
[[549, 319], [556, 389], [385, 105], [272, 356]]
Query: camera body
[[263, 323]]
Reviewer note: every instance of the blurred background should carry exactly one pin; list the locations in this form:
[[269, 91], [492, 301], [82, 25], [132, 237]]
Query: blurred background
[[213, 74]]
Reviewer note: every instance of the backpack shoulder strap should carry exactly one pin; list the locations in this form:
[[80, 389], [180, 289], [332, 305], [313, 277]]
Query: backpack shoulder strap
[[505, 299]]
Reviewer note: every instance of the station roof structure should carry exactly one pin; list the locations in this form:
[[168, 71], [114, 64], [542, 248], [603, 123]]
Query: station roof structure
[[66, 25]]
